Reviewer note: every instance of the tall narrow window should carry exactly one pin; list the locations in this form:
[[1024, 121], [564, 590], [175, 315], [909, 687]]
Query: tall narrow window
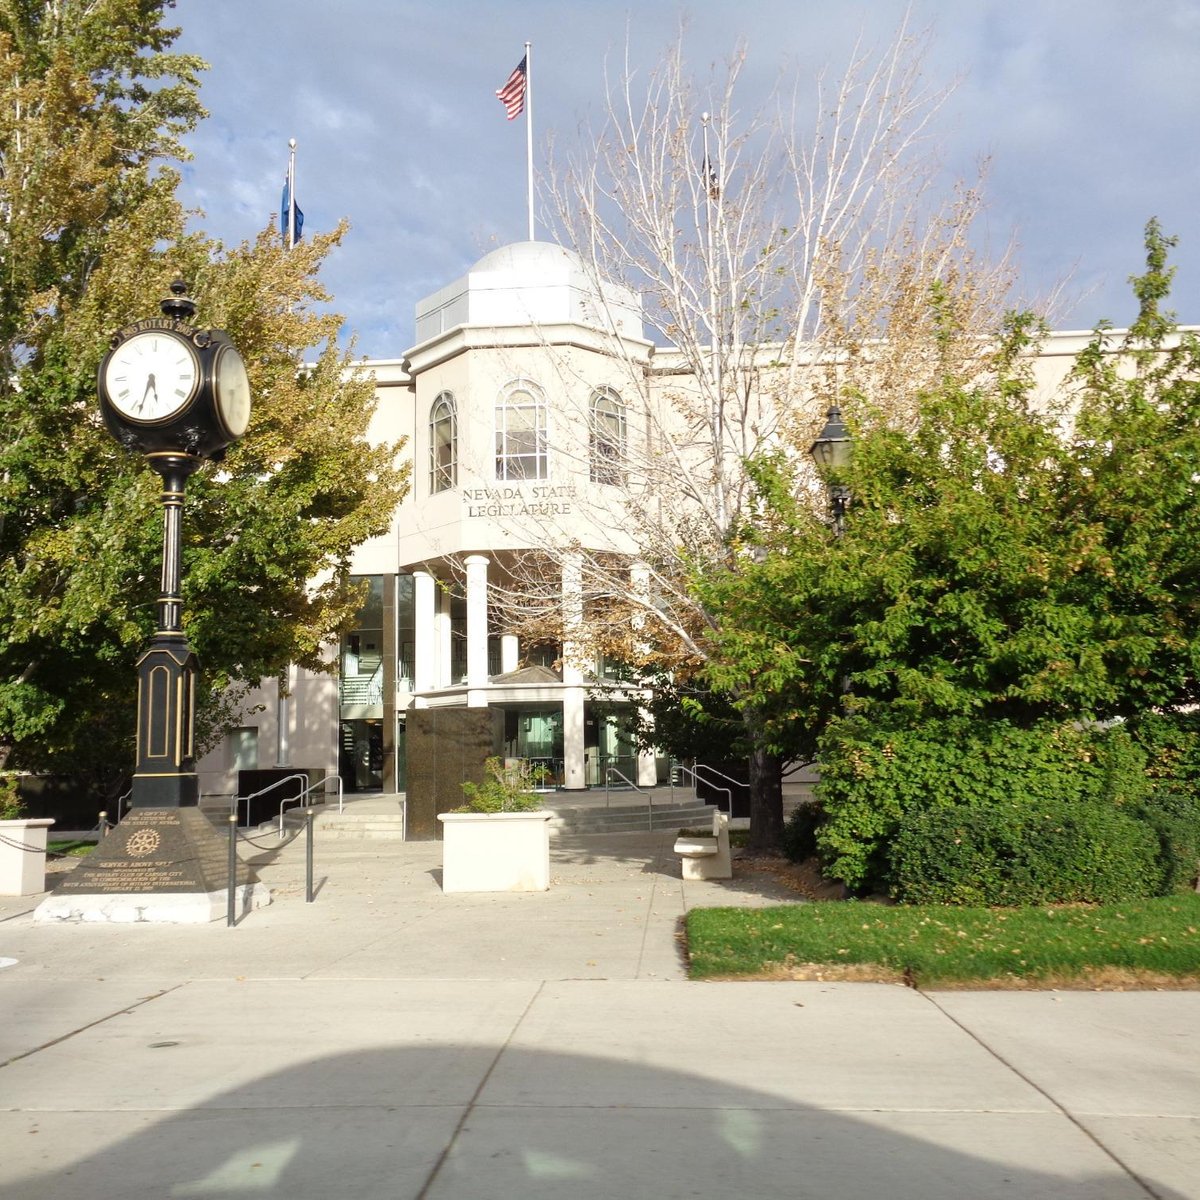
[[243, 749], [607, 437], [443, 444], [521, 432]]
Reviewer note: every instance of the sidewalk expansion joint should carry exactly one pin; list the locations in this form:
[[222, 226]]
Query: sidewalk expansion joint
[[1050, 1099], [66, 1037], [473, 1103]]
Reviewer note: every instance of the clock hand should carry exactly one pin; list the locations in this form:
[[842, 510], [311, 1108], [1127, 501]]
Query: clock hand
[[149, 388]]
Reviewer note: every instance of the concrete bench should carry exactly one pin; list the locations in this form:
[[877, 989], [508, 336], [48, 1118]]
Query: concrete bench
[[705, 856]]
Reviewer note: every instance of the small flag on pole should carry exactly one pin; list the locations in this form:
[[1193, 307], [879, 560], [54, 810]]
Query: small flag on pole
[[512, 94], [291, 219]]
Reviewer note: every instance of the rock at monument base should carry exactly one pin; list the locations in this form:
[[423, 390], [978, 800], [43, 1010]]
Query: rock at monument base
[[159, 866], [179, 908]]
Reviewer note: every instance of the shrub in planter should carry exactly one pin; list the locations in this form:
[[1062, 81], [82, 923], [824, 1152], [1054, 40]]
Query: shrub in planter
[[1047, 852], [504, 789], [11, 806]]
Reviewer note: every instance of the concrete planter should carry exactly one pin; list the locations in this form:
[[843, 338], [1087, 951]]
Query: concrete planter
[[495, 852], [23, 856]]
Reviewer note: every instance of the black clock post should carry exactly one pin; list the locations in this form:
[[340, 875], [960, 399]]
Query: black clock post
[[180, 396], [165, 769]]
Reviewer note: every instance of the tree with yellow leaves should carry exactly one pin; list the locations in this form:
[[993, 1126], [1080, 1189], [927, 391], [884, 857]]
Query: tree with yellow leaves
[[92, 108]]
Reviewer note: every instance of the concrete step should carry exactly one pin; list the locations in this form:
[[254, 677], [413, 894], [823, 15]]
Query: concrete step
[[364, 833], [386, 825], [626, 813], [628, 818]]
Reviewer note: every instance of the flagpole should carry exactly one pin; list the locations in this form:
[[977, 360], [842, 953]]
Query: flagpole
[[529, 133], [291, 216], [283, 681]]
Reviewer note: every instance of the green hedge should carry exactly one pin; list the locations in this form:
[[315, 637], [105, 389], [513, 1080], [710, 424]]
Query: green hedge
[[800, 831], [1175, 820], [874, 779], [1048, 852]]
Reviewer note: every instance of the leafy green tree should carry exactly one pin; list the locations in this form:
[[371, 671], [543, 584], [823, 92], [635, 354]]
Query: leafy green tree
[[91, 236], [1001, 562]]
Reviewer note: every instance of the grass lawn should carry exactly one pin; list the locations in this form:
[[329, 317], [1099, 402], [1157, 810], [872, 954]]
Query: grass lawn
[[1145, 943], [74, 849]]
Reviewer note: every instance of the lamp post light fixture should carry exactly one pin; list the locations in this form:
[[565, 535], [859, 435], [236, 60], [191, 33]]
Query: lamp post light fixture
[[831, 452]]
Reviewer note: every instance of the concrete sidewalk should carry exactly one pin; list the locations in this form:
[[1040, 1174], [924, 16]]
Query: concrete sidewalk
[[391, 1041]]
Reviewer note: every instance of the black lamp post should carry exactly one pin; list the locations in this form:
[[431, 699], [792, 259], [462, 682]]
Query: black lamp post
[[831, 452]]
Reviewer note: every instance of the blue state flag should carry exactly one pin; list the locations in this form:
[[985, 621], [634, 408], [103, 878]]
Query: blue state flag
[[288, 206]]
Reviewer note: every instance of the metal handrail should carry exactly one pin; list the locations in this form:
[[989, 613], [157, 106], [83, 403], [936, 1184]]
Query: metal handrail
[[233, 800], [274, 784], [308, 791], [721, 775], [692, 771], [609, 772], [301, 795]]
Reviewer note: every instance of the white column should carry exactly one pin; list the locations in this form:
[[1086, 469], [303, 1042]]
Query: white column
[[424, 615], [510, 653], [647, 762], [442, 643], [574, 765], [477, 631]]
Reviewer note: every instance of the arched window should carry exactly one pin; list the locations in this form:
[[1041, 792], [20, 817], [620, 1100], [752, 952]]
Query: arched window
[[606, 437], [521, 432], [443, 444]]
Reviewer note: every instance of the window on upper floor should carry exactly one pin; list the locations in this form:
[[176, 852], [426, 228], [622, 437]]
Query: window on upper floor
[[606, 437], [443, 444], [521, 432]]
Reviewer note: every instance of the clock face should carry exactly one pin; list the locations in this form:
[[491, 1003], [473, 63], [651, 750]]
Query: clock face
[[232, 392], [152, 377]]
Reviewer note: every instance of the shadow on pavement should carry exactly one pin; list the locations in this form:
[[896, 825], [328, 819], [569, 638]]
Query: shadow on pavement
[[475, 1122]]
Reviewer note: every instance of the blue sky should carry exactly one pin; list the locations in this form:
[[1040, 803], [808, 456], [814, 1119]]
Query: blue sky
[[1086, 112]]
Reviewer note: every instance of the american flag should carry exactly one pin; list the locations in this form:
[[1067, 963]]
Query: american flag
[[512, 94]]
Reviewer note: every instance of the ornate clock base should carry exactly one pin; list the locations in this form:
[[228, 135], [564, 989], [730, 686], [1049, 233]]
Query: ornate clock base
[[166, 774]]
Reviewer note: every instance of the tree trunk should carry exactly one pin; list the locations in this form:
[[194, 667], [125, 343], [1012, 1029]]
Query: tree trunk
[[766, 795]]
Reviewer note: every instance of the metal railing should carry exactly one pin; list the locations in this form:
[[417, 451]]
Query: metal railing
[[546, 772], [703, 773], [233, 888], [624, 764], [362, 690], [235, 799], [627, 784], [307, 791]]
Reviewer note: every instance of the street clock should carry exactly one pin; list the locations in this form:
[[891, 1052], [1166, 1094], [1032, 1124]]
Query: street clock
[[166, 387]]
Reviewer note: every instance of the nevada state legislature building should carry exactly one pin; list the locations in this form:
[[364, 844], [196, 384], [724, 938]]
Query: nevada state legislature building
[[527, 385]]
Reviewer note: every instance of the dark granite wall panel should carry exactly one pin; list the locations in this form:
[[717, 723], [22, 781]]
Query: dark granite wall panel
[[446, 748]]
